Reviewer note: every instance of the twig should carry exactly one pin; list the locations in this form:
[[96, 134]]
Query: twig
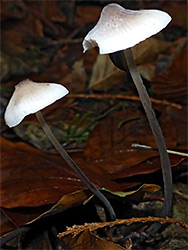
[[76, 229], [126, 97], [134, 145]]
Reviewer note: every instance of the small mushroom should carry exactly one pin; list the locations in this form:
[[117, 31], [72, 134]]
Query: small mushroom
[[117, 30], [30, 97]]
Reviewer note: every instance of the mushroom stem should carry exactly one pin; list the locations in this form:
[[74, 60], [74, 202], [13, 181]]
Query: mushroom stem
[[73, 165], [155, 127]]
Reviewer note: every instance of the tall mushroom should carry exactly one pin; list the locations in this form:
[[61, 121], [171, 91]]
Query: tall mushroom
[[30, 97], [117, 30]]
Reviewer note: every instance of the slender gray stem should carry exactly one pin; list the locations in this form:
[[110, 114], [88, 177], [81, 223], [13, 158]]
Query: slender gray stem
[[155, 127], [73, 165]]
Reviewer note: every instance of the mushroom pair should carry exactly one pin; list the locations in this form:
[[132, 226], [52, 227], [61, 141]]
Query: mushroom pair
[[30, 97], [117, 30]]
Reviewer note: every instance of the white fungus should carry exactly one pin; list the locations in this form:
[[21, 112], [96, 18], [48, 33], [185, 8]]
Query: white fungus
[[119, 28], [30, 97]]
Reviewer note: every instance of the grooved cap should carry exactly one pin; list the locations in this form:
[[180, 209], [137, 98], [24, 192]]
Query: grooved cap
[[30, 97], [119, 28]]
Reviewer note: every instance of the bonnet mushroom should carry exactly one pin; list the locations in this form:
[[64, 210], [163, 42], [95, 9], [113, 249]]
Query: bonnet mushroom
[[117, 30], [30, 97]]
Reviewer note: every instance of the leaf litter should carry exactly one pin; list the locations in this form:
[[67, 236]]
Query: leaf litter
[[40, 179]]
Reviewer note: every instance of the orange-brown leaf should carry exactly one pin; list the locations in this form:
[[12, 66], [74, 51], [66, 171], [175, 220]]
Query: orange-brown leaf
[[30, 177]]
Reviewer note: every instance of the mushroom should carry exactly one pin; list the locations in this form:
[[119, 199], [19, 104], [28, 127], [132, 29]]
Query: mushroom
[[117, 30], [30, 97]]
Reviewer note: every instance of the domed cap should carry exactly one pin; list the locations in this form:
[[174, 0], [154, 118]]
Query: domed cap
[[119, 28], [30, 97]]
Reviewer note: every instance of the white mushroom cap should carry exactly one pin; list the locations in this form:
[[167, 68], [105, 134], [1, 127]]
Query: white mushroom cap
[[30, 97], [119, 28]]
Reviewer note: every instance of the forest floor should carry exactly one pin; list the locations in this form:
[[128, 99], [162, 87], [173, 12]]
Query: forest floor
[[97, 123]]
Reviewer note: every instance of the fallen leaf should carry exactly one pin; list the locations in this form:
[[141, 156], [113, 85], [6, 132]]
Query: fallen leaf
[[172, 83], [178, 17], [136, 174], [21, 215], [87, 14], [105, 75], [53, 12], [139, 194], [67, 201], [10, 9], [34, 134], [147, 71], [110, 147], [87, 240], [180, 121], [28, 215], [78, 76], [82, 196], [30, 177], [149, 49], [5, 224]]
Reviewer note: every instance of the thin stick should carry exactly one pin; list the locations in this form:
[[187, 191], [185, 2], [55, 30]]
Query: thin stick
[[126, 97], [76, 229], [73, 165], [134, 145]]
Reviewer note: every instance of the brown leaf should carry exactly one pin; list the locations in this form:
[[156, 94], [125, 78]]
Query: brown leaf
[[179, 118], [137, 195], [149, 49], [5, 224], [110, 147], [105, 75], [20, 216], [28, 215], [19, 31], [52, 11], [30, 177], [87, 14], [10, 9], [172, 83], [78, 76], [88, 240], [67, 201], [146, 167], [178, 12]]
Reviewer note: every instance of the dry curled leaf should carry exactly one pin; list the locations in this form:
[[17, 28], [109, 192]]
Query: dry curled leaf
[[138, 194]]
